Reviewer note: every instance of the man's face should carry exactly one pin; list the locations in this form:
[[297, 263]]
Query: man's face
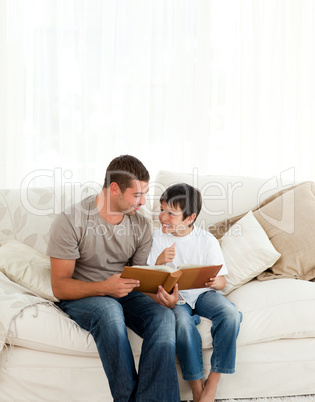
[[132, 198]]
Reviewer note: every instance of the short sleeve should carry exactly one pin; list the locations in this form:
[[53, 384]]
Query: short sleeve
[[145, 241], [63, 239]]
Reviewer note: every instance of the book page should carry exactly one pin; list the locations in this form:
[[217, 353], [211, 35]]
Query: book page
[[185, 266], [164, 268]]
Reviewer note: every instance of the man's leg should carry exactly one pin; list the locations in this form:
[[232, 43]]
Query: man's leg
[[104, 318], [157, 376]]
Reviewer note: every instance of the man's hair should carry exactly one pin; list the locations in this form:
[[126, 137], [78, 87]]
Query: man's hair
[[184, 196], [123, 169]]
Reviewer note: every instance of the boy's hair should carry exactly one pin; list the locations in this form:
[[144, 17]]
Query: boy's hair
[[184, 196], [123, 169]]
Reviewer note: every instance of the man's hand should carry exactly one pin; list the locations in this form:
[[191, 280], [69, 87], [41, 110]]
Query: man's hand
[[167, 255], [65, 287], [116, 286], [166, 299]]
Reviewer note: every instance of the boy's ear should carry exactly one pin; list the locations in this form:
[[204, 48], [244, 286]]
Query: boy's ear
[[191, 218]]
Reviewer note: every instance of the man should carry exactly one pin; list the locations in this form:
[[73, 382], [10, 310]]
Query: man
[[89, 245]]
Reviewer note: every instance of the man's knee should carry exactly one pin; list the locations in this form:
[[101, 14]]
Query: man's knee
[[162, 323], [108, 312]]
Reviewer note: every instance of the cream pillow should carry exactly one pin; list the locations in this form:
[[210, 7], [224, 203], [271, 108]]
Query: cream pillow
[[26, 267], [247, 252]]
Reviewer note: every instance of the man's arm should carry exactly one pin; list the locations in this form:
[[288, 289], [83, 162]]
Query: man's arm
[[67, 288]]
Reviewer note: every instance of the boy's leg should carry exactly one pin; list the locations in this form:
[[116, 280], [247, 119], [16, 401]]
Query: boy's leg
[[157, 375], [104, 318], [226, 321], [188, 342]]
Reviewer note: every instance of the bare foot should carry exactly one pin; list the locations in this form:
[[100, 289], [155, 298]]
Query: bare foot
[[197, 389], [210, 389]]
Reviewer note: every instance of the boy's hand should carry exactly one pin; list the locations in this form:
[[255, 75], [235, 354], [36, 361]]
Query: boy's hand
[[216, 283], [167, 255], [166, 299]]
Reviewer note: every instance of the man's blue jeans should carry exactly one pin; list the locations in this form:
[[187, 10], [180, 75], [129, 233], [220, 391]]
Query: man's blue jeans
[[106, 318], [225, 327]]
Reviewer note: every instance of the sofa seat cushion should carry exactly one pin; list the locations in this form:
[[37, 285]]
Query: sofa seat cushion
[[47, 328], [272, 310], [276, 309]]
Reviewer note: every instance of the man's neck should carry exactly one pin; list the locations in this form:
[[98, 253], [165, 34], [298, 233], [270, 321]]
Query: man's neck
[[104, 209]]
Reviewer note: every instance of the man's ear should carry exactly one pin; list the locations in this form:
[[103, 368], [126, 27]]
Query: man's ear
[[114, 188]]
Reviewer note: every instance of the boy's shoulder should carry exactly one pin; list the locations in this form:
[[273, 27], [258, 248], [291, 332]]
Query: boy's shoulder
[[203, 235], [157, 233]]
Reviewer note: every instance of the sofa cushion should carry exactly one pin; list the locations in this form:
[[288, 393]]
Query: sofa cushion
[[247, 252], [274, 310], [27, 267], [223, 196], [267, 307], [289, 221]]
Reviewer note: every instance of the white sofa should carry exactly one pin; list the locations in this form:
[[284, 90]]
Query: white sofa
[[46, 357]]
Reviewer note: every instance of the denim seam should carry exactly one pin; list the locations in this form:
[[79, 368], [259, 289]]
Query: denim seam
[[194, 377]]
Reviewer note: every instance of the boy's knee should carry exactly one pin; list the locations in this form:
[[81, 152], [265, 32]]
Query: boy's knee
[[233, 316]]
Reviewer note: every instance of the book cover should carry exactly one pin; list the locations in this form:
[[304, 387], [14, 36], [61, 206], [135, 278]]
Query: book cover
[[187, 276]]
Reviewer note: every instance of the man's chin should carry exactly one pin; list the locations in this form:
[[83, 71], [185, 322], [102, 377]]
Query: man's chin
[[132, 212]]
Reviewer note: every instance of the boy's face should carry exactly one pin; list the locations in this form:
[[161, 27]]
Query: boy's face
[[173, 222]]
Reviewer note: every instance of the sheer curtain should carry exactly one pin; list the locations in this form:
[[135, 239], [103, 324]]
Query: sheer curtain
[[222, 86]]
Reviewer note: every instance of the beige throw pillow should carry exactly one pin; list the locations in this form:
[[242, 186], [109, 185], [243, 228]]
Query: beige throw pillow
[[289, 221], [247, 252], [27, 267]]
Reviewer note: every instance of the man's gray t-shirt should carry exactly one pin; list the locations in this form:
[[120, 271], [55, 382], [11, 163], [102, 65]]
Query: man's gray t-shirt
[[99, 248]]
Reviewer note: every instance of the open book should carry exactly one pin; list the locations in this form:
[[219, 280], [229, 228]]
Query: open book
[[187, 276]]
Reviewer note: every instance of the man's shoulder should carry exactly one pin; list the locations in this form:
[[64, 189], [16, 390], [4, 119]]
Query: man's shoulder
[[84, 205], [78, 212]]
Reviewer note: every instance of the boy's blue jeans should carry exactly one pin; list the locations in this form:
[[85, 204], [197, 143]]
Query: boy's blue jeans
[[106, 318], [226, 321]]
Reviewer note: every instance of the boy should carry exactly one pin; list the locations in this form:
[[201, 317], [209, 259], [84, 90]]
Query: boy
[[178, 241]]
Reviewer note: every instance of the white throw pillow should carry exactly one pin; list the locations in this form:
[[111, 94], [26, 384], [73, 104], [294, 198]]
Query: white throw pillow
[[27, 267], [247, 251]]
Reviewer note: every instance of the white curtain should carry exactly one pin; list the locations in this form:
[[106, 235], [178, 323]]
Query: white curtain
[[222, 86]]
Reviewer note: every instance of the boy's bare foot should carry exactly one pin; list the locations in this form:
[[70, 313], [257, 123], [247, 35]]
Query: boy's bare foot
[[210, 387], [197, 389]]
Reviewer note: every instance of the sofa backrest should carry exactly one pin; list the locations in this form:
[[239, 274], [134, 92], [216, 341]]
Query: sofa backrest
[[26, 214], [223, 196]]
